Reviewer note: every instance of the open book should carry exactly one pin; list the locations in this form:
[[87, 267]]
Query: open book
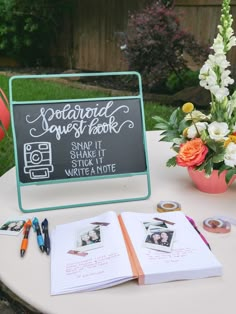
[[107, 250]]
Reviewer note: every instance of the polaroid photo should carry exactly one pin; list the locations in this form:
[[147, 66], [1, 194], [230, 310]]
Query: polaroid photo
[[12, 226], [159, 224], [160, 239], [89, 238]]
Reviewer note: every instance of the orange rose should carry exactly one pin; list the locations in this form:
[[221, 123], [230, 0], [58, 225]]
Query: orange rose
[[191, 153]]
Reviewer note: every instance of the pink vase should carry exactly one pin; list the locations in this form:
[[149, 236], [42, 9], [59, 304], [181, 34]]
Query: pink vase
[[213, 184]]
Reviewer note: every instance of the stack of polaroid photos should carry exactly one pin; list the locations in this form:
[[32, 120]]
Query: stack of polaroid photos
[[159, 236]]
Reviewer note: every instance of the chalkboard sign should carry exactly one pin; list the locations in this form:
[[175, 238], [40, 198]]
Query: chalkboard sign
[[78, 139]]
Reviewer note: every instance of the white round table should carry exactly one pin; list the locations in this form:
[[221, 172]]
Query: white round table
[[29, 277]]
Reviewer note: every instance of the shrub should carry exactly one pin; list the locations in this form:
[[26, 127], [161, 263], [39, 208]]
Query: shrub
[[27, 28], [186, 78], [155, 44]]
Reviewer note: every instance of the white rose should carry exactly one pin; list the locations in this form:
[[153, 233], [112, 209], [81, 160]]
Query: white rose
[[193, 130], [230, 155], [218, 130]]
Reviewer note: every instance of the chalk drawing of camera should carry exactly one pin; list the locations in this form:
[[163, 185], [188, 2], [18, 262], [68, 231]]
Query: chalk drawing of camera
[[38, 160]]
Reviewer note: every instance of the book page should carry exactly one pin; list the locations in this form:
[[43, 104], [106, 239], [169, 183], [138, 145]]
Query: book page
[[89, 254], [189, 257]]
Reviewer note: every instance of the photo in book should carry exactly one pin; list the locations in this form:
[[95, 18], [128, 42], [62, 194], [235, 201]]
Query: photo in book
[[123, 254]]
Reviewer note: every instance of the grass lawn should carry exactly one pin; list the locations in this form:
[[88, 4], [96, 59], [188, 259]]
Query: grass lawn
[[31, 89]]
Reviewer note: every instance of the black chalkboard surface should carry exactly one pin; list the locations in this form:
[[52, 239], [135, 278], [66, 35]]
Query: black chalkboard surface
[[79, 139]]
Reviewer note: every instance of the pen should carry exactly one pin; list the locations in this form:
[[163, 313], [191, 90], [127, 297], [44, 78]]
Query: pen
[[39, 234], [24, 242], [195, 227], [47, 246]]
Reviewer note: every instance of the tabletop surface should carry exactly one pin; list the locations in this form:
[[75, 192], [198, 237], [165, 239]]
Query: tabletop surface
[[29, 277]]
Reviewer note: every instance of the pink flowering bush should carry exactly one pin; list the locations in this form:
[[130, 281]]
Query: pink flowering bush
[[155, 44]]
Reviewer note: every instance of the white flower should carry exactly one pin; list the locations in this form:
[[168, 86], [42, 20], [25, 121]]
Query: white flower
[[220, 93], [218, 45], [220, 61], [226, 79], [196, 116], [196, 129], [231, 43], [230, 155], [232, 106], [211, 79], [218, 130], [214, 75]]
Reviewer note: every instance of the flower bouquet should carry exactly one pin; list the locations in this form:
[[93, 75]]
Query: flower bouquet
[[207, 142]]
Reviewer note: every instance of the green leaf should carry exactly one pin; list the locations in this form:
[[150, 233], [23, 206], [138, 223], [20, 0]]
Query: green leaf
[[218, 158], [171, 162], [222, 168], [229, 175], [169, 135], [207, 166], [161, 126], [160, 119], [215, 146], [183, 125], [176, 117]]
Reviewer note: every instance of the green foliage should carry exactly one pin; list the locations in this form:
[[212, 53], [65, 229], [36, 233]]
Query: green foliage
[[185, 78], [28, 28], [230, 174], [152, 109], [171, 162], [173, 128]]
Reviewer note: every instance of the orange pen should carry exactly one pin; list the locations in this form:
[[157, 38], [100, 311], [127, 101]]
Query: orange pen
[[24, 242]]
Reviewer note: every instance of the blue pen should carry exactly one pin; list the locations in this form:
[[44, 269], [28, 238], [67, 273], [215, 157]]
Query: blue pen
[[39, 234], [47, 246]]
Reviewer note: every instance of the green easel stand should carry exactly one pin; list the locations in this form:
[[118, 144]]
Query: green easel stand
[[78, 152]]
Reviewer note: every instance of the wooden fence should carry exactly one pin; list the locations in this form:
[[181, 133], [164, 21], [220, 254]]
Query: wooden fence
[[201, 17], [90, 42]]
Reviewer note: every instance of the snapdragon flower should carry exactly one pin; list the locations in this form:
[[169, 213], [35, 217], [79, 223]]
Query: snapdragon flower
[[214, 75]]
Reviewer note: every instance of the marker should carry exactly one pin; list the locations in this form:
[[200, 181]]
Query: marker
[[24, 242], [39, 234], [47, 246], [201, 235]]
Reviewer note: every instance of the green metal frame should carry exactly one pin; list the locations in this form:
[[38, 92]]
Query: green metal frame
[[20, 184]]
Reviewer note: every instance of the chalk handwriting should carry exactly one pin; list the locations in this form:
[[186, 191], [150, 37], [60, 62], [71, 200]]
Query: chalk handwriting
[[88, 159], [100, 119]]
